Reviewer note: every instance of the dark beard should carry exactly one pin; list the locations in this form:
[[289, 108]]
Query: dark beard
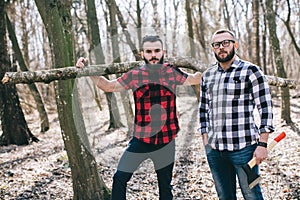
[[161, 61], [227, 58]]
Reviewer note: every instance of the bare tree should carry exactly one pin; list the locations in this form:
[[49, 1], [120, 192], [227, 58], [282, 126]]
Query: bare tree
[[190, 28], [114, 114], [285, 94], [165, 24], [139, 22], [288, 27], [249, 34], [174, 35], [14, 125], [256, 48], [156, 22], [23, 66], [113, 11], [226, 14], [264, 39], [201, 30], [128, 37], [87, 184], [191, 39]]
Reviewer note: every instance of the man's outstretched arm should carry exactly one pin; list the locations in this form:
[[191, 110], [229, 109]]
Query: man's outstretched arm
[[193, 79], [100, 81]]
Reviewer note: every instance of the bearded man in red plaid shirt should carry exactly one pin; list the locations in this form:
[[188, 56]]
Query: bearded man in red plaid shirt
[[156, 122]]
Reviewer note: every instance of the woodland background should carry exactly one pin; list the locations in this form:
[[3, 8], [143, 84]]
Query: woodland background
[[62, 139]]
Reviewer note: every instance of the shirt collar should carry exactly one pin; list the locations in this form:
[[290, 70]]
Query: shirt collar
[[156, 67], [234, 64]]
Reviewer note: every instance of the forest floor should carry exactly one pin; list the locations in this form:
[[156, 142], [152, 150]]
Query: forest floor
[[40, 170]]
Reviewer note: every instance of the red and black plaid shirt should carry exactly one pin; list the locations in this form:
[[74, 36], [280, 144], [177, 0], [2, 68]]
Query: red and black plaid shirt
[[154, 90]]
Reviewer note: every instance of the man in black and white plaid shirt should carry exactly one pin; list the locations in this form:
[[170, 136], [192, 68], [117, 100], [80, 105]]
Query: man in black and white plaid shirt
[[230, 91]]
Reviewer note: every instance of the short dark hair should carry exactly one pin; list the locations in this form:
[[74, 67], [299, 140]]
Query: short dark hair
[[151, 38]]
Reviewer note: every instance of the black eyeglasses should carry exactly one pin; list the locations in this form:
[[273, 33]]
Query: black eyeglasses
[[225, 43]]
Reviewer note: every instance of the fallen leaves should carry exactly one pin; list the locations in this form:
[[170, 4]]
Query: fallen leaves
[[41, 170]]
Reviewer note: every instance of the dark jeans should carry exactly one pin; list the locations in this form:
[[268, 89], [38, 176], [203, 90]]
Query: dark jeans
[[225, 166], [162, 157]]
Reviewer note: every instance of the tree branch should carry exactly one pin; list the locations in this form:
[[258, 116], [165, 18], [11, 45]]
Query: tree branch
[[48, 76]]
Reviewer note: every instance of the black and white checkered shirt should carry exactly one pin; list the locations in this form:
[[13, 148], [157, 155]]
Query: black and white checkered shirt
[[227, 101]]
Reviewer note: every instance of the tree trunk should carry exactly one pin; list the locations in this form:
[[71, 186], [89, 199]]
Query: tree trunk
[[35, 93], [166, 25], [123, 24], [191, 40], [226, 15], [264, 40], [288, 27], [285, 93], [139, 23], [201, 32], [174, 33], [95, 51], [125, 96], [190, 28], [14, 125], [116, 55], [256, 48], [249, 37], [87, 184], [156, 22], [114, 115]]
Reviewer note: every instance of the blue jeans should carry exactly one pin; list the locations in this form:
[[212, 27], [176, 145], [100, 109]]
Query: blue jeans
[[162, 157], [225, 166]]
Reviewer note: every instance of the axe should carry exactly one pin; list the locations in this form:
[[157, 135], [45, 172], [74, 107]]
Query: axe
[[252, 177]]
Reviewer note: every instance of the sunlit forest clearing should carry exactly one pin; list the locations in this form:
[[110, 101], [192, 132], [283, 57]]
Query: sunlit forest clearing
[[61, 137]]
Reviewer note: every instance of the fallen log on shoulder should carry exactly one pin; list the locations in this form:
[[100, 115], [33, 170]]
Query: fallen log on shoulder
[[47, 76], [64, 73]]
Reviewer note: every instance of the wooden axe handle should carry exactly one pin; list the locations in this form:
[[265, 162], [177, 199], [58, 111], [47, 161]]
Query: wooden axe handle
[[282, 135]]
